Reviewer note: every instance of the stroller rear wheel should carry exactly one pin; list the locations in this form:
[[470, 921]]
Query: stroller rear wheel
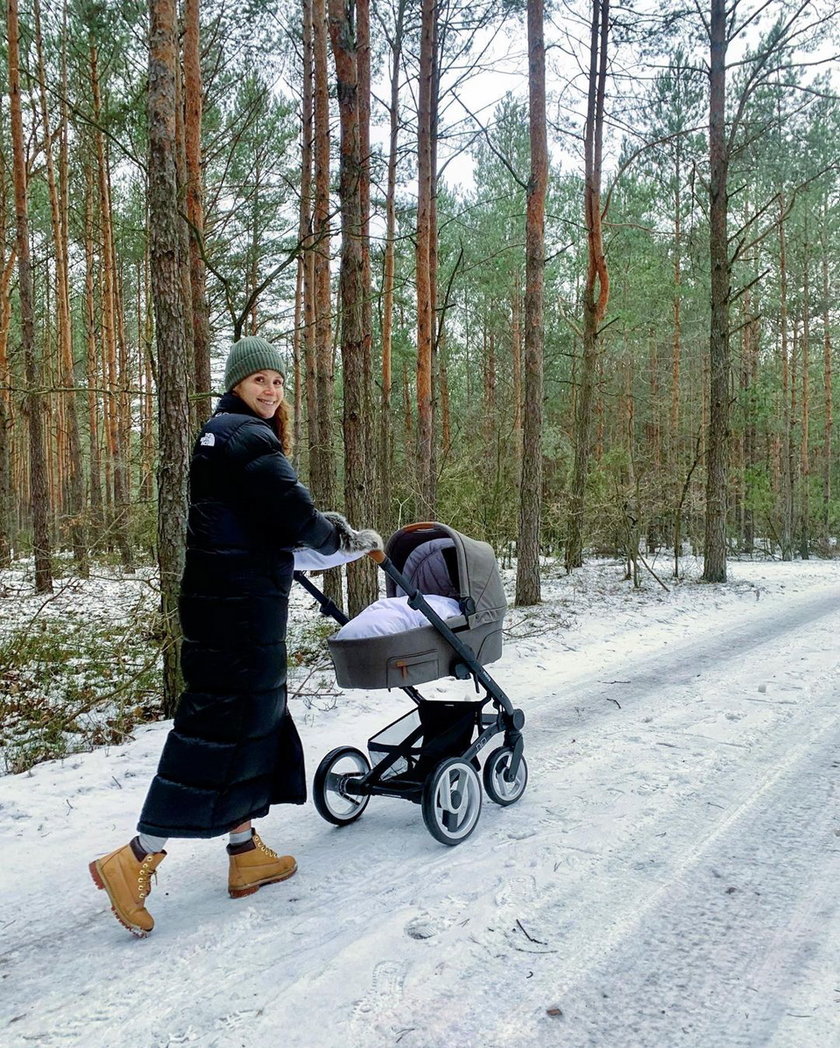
[[496, 783], [329, 787], [451, 801]]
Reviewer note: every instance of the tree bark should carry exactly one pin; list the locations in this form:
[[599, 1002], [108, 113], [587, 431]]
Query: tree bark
[[426, 494], [117, 452], [37, 460], [322, 456], [597, 287], [386, 429], [355, 345], [193, 108], [828, 382], [717, 444], [172, 367], [805, 429], [787, 395], [322, 466], [306, 315], [530, 492], [73, 493], [7, 268], [92, 361]]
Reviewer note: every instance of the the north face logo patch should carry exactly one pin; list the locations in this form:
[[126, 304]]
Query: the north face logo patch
[[208, 440]]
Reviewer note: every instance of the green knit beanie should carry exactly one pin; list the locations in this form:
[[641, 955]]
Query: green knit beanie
[[248, 355]]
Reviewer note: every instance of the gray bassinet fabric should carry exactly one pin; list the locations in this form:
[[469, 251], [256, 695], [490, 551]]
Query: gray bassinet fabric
[[438, 560], [478, 583], [427, 568]]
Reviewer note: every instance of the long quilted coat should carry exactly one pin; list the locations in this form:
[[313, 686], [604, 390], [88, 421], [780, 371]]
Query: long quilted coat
[[234, 749]]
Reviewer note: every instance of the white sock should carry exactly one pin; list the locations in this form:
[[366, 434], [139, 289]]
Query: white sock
[[151, 844], [240, 838]]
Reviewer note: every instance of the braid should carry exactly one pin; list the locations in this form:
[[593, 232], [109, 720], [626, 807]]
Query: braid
[[283, 427]]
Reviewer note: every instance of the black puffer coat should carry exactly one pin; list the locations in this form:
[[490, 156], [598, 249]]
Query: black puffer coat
[[233, 749]]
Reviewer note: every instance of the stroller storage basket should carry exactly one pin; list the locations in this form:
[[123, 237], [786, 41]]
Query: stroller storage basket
[[423, 738]]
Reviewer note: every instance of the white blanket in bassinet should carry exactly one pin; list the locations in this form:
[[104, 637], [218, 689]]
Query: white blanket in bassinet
[[393, 615]]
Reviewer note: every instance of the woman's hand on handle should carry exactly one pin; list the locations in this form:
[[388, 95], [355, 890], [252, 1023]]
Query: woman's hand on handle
[[352, 541]]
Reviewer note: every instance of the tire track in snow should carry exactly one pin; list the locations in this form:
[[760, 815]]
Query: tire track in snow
[[710, 960], [592, 915], [683, 664]]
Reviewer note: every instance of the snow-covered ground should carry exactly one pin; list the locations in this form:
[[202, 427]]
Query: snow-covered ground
[[669, 878]]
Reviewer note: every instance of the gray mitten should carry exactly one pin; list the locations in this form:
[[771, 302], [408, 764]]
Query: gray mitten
[[351, 541]]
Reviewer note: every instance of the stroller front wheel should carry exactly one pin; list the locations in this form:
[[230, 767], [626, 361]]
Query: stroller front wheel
[[496, 783], [451, 801], [329, 787]]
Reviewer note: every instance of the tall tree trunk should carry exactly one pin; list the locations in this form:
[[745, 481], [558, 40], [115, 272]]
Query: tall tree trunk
[[805, 430], [304, 344], [118, 524], [597, 287], [306, 258], [530, 490], [37, 460], [92, 358], [193, 106], [714, 565], [750, 368], [489, 421], [172, 363], [149, 399], [676, 334], [322, 456], [322, 468], [516, 376], [787, 394], [361, 577], [124, 428], [73, 495], [423, 257], [444, 399], [386, 428], [363, 94], [7, 268], [828, 381]]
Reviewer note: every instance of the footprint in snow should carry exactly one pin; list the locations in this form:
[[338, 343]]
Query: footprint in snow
[[426, 925], [384, 994]]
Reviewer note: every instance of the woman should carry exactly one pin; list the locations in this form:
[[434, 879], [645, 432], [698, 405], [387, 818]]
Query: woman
[[233, 749]]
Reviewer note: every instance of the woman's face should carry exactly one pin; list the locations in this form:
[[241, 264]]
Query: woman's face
[[262, 392]]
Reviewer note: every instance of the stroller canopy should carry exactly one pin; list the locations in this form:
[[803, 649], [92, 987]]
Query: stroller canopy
[[438, 559]]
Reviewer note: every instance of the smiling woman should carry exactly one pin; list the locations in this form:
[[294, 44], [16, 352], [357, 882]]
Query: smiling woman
[[233, 750], [262, 392]]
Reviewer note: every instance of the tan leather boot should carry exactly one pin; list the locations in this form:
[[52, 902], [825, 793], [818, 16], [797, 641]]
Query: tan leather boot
[[253, 864], [128, 880]]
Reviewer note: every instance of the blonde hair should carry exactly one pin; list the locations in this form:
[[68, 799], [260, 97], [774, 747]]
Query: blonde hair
[[283, 427]]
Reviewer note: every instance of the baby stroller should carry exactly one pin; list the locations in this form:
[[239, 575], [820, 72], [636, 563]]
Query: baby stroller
[[429, 755]]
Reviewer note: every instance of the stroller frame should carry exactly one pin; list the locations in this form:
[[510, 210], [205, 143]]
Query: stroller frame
[[449, 792]]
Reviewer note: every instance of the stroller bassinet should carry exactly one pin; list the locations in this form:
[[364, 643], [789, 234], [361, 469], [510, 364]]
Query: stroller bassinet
[[438, 560]]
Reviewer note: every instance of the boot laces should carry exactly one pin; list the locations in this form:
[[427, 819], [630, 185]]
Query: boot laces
[[264, 847], [144, 877]]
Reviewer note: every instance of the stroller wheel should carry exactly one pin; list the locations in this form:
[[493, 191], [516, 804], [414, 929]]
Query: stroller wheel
[[452, 801], [496, 767], [329, 787]]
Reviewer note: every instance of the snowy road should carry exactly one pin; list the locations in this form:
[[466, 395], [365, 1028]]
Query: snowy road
[[669, 878]]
